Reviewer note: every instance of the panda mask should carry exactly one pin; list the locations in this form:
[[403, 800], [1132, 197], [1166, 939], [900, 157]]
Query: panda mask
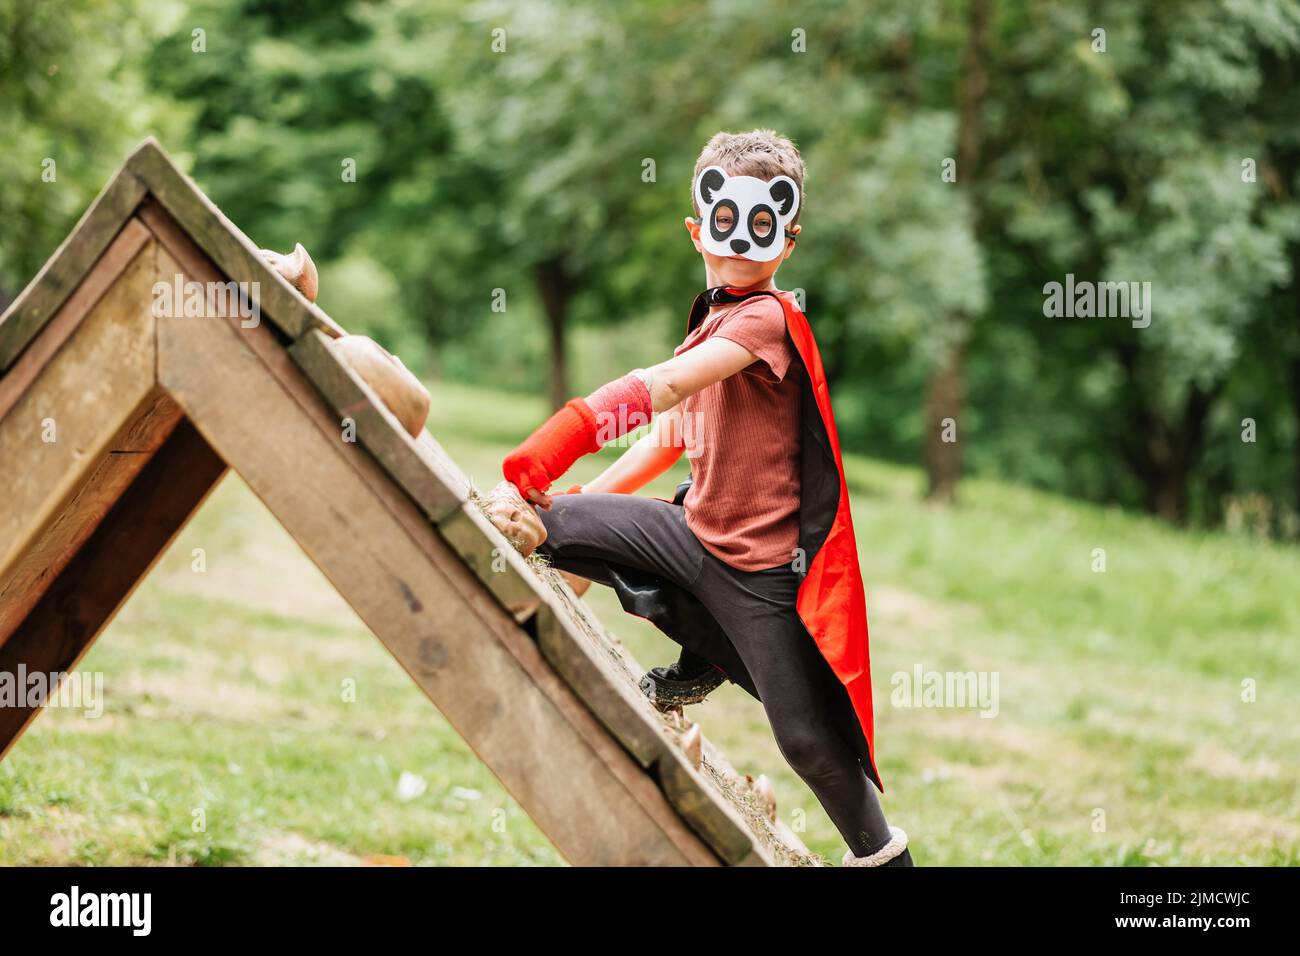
[[734, 211]]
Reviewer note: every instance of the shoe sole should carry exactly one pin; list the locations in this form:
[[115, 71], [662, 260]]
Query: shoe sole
[[669, 695]]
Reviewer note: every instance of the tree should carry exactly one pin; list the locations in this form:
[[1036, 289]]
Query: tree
[[945, 392], [323, 123], [1130, 155], [1278, 175], [579, 118], [71, 105]]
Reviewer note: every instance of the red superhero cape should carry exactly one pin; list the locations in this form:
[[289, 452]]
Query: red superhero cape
[[831, 601]]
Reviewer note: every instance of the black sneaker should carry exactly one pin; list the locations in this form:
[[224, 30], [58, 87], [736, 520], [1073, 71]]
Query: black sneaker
[[688, 681]]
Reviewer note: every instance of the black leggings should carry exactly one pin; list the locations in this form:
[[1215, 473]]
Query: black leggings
[[769, 651]]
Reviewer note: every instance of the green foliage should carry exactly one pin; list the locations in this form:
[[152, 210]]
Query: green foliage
[[502, 154], [72, 102]]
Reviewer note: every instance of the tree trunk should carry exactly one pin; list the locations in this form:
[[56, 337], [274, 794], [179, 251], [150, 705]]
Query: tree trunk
[[555, 291], [943, 402], [1295, 413], [1169, 452], [1292, 298], [945, 393], [1168, 497]]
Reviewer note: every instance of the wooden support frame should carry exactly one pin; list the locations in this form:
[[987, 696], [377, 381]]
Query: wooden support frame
[[63, 272], [512, 658], [74, 431], [57, 632]]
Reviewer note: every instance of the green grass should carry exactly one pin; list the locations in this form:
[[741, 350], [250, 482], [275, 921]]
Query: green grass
[[1121, 735]]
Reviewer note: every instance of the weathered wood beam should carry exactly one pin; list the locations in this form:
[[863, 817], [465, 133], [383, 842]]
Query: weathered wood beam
[[63, 271], [422, 468], [18, 378], [57, 632], [69, 437], [46, 555]]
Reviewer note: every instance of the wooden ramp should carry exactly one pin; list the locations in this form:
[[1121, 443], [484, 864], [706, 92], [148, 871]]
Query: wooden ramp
[[117, 421]]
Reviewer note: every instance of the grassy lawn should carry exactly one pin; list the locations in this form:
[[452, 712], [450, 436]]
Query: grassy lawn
[[1147, 714]]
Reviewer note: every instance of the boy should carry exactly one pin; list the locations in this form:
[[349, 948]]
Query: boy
[[753, 567]]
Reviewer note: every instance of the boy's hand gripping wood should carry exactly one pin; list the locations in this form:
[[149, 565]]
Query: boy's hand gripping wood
[[518, 521]]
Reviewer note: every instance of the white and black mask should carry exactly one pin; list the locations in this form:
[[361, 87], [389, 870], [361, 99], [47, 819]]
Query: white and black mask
[[744, 216]]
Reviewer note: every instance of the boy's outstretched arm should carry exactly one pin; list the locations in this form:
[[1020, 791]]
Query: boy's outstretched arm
[[582, 426], [683, 375]]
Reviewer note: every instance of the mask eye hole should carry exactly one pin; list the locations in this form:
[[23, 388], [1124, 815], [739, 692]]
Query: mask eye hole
[[724, 219], [762, 225]]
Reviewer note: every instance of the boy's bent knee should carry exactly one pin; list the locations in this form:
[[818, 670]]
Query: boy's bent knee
[[563, 522]]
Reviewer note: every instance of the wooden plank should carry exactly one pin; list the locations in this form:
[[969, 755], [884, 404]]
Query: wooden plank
[[126, 544], [614, 702], [717, 822], [784, 844], [494, 560], [583, 791], [90, 388], [63, 271], [45, 557], [233, 252], [19, 377], [603, 675], [422, 468]]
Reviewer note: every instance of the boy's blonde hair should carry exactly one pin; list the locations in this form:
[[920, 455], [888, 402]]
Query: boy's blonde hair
[[761, 153]]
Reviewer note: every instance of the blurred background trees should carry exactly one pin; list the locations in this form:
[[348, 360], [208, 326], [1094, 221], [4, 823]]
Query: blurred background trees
[[496, 191], [71, 94]]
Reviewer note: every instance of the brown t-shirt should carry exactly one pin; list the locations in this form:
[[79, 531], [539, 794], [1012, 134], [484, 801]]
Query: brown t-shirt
[[742, 438]]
